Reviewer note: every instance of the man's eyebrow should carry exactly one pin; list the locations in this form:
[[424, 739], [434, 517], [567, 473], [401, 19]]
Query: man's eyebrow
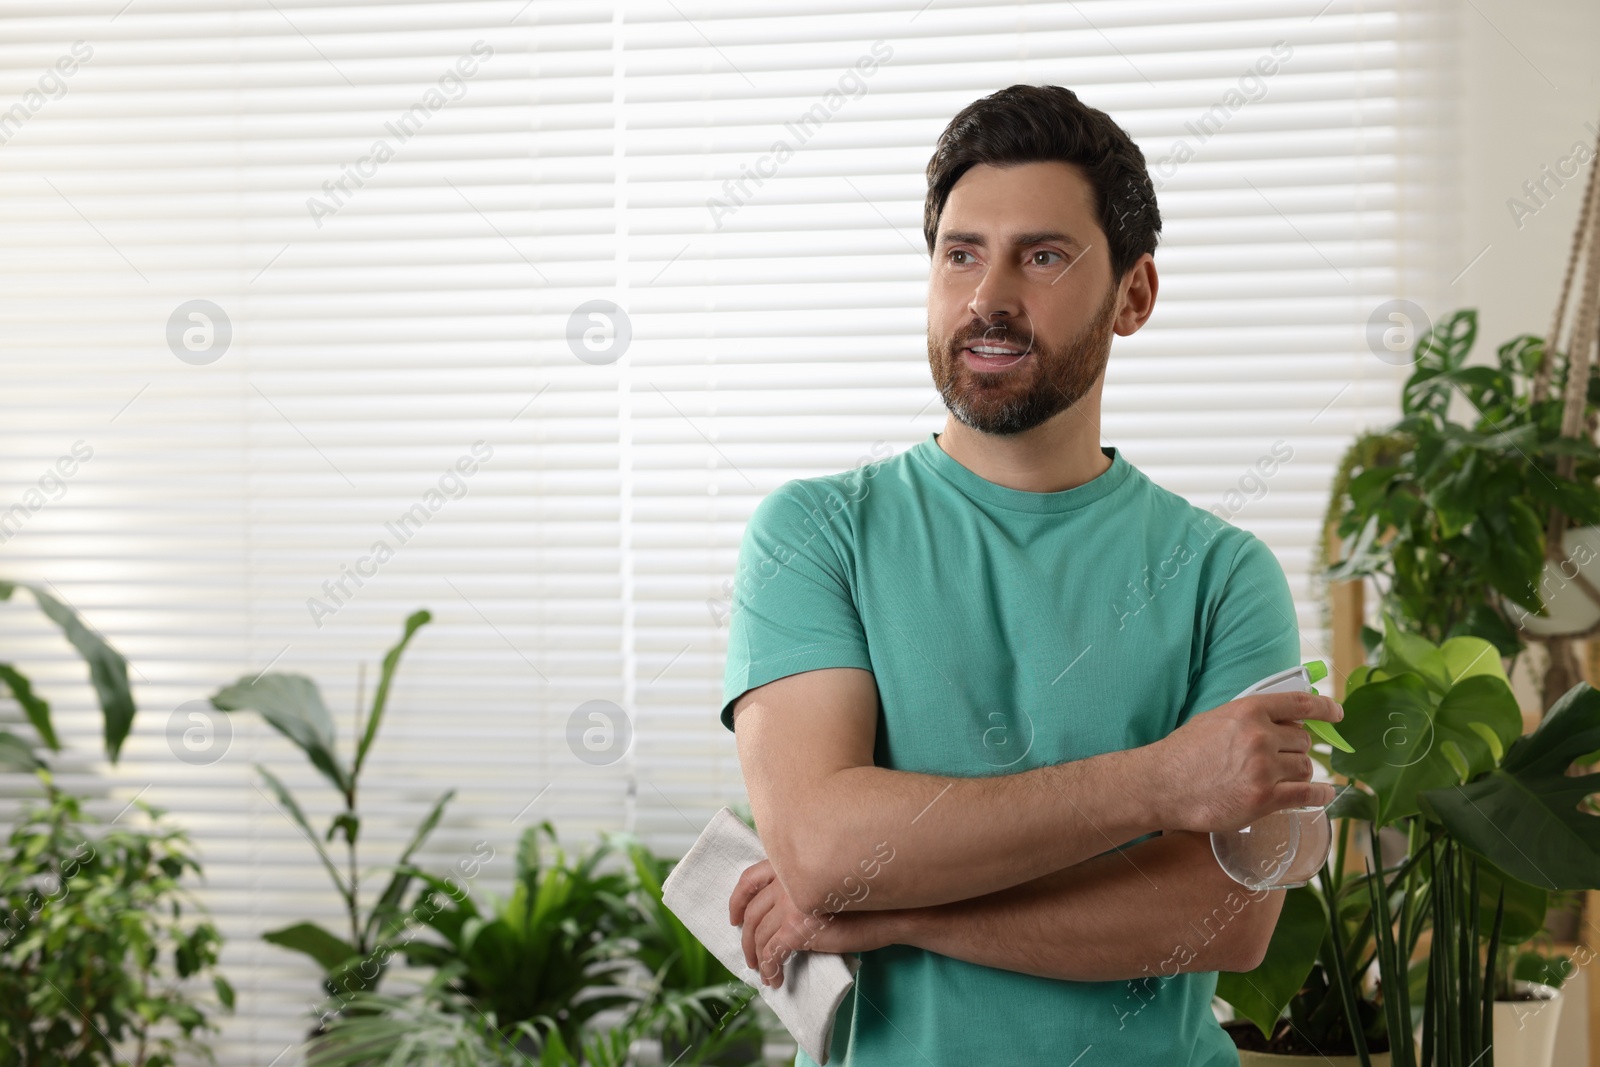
[[1018, 240]]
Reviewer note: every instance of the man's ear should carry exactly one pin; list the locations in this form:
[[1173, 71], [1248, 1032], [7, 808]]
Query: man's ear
[[1139, 297]]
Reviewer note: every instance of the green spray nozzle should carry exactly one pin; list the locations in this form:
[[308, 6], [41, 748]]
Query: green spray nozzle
[[1316, 670]]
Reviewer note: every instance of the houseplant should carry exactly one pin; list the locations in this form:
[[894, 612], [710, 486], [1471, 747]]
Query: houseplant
[[102, 943], [1491, 824], [293, 705], [577, 964], [1449, 518]]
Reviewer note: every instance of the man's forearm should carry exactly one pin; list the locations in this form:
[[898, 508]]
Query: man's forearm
[[877, 839], [1159, 908]]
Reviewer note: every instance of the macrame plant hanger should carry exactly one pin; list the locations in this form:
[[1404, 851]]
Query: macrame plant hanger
[[1564, 671]]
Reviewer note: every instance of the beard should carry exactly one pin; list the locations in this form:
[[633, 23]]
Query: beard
[[1017, 399]]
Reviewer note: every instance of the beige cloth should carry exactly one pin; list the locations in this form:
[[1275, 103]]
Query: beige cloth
[[697, 891]]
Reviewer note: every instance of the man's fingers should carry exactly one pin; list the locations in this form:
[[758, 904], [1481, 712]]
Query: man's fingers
[[757, 910], [1292, 707], [772, 946], [752, 881], [1306, 794], [1293, 737]]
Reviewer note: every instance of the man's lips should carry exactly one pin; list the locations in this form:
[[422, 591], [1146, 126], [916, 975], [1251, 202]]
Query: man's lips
[[993, 357]]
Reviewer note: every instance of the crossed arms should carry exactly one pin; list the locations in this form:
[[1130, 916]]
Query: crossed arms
[[1019, 872]]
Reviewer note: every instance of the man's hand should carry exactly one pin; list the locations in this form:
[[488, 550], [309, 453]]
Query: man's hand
[[774, 929], [1234, 764]]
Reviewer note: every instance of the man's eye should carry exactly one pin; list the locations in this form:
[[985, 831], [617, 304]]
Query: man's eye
[[959, 252], [1047, 252]]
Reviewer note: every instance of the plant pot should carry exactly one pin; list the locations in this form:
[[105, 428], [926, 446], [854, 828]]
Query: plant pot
[[1572, 609], [1525, 1030]]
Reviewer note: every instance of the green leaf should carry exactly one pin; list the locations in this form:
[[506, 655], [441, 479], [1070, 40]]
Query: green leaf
[[292, 810], [1404, 651], [1466, 656], [1261, 995], [224, 991], [35, 707], [1490, 738], [16, 754], [1352, 802], [388, 904], [349, 823], [1525, 904], [108, 671], [1398, 729], [293, 705], [380, 699], [312, 940], [1524, 815]]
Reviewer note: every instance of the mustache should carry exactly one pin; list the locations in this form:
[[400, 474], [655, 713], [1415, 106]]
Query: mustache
[[993, 335]]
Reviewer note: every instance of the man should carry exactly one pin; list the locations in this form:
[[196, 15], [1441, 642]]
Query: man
[[982, 690]]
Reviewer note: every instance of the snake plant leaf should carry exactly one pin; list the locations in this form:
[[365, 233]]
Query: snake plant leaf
[[1524, 815], [35, 707], [108, 671], [293, 705], [380, 699], [1398, 725], [1262, 994]]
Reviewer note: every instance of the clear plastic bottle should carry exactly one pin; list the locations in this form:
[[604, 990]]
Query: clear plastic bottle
[[1288, 847]]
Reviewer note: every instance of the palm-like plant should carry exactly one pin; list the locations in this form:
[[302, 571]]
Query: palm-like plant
[[293, 705], [547, 950]]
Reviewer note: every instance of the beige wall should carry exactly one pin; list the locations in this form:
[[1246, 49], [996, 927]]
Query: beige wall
[[1530, 92]]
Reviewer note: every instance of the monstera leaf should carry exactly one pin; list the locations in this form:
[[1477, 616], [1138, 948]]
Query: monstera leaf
[[1409, 737], [1527, 815], [1261, 995]]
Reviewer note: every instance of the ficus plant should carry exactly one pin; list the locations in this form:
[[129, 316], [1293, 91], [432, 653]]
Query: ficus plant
[[355, 959], [102, 940], [102, 943]]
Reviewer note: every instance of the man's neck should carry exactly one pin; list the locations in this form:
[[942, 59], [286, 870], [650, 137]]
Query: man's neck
[[1059, 454]]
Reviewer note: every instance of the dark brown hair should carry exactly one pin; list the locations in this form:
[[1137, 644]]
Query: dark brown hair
[[1035, 123]]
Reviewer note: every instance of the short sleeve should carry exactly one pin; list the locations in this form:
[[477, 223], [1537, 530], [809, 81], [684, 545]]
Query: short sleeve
[[1251, 633], [791, 608]]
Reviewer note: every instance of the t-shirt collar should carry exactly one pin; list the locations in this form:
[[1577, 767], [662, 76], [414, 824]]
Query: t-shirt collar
[[987, 492]]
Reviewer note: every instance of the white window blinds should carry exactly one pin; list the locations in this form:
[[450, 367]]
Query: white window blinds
[[514, 310]]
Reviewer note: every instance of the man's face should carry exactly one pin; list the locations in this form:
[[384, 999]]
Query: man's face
[[1021, 271]]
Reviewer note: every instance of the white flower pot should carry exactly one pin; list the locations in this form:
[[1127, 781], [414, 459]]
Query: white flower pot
[[1525, 1030], [1572, 610]]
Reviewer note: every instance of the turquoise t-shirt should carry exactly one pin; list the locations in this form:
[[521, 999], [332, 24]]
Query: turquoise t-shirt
[[1008, 630]]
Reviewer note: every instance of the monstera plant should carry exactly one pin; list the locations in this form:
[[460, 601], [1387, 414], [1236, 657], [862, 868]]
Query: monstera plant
[[1493, 824]]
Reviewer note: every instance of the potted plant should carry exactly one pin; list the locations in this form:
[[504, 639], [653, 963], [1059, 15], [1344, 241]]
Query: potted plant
[[293, 705], [542, 975], [1529, 1006], [1450, 518], [1491, 825], [101, 940]]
